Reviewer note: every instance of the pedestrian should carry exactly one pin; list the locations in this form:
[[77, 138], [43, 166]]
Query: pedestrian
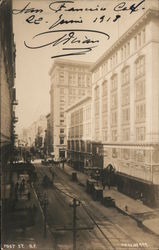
[[126, 208], [23, 184], [29, 195], [16, 190], [53, 176], [21, 189], [103, 184]]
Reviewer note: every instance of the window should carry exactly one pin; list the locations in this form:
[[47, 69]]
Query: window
[[97, 92], [126, 154], [114, 100], [88, 113], [140, 67], [114, 118], [114, 83], [104, 121], [140, 133], [140, 89], [139, 39], [88, 129], [62, 99], [61, 130], [61, 122], [96, 124], [125, 51], [104, 88], [62, 91], [104, 105], [81, 130], [104, 135], [140, 155], [79, 80], [82, 91], [114, 135], [61, 140], [97, 108], [135, 42], [125, 96], [114, 153], [88, 80], [61, 76], [125, 75], [126, 134], [140, 112], [61, 114], [125, 115], [81, 116]]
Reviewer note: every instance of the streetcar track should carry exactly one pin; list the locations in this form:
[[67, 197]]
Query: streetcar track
[[111, 231]]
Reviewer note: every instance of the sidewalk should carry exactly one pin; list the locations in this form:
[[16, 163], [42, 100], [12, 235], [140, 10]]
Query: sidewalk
[[25, 224], [146, 217]]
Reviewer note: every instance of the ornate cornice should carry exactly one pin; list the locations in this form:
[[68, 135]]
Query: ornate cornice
[[146, 17]]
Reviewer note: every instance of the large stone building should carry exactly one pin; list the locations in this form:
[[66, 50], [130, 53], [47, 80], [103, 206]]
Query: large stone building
[[125, 112], [70, 80], [125, 96]]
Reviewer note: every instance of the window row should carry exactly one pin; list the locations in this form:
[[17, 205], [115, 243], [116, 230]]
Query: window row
[[139, 66]]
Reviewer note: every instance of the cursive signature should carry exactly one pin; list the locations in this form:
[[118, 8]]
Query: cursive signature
[[69, 37]]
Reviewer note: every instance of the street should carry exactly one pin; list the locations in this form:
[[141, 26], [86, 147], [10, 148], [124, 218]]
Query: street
[[96, 227]]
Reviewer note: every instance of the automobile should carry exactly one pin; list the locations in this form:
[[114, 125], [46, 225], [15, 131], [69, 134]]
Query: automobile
[[108, 201]]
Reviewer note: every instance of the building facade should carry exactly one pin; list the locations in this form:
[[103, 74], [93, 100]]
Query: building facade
[[78, 121], [36, 129], [70, 81], [7, 94], [7, 109], [125, 102]]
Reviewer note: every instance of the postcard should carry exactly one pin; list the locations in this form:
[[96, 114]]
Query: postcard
[[79, 124]]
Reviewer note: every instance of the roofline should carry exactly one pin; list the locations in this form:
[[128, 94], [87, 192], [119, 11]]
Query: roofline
[[69, 62], [127, 34], [82, 100]]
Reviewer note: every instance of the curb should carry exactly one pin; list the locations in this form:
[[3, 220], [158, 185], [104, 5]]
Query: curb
[[139, 222]]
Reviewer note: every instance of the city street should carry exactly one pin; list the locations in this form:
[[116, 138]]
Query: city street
[[97, 227]]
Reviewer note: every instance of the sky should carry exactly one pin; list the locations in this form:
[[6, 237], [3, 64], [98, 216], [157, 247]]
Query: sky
[[32, 65]]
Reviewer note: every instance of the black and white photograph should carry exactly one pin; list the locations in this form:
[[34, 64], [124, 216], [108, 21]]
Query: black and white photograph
[[79, 133]]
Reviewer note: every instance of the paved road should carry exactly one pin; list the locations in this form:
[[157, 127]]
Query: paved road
[[103, 228]]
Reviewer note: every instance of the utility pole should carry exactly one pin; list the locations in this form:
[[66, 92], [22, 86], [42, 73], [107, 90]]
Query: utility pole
[[75, 204], [45, 204]]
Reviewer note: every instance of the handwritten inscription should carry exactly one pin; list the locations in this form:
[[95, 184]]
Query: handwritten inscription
[[77, 40]]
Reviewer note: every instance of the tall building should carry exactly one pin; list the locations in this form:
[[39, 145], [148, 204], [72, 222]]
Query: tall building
[[7, 94], [125, 102], [7, 108], [70, 80]]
